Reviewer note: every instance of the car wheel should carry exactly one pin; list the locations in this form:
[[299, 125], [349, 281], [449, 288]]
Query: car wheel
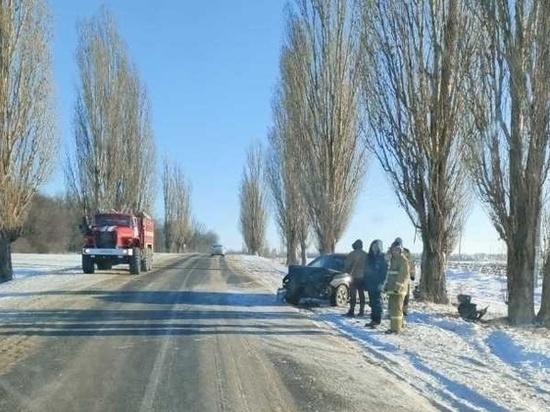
[[293, 293], [339, 296]]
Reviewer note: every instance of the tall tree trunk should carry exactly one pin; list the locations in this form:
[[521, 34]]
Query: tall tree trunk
[[326, 245], [526, 211], [434, 261], [6, 270], [544, 313], [291, 249], [303, 250], [520, 283]]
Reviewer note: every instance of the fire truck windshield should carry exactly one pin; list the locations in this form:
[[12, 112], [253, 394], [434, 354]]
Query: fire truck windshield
[[113, 220]]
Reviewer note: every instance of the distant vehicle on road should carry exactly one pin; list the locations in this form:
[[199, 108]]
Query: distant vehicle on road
[[217, 250], [322, 278]]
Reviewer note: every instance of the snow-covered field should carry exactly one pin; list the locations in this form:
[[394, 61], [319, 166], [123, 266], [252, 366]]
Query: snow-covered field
[[461, 366]]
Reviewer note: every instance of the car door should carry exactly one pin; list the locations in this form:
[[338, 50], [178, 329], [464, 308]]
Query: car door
[[315, 277]]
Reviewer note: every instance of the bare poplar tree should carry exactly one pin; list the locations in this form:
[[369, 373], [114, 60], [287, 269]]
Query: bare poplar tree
[[416, 54], [253, 213], [283, 172], [543, 315], [177, 208], [509, 154], [281, 198], [27, 136], [113, 163], [323, 68]]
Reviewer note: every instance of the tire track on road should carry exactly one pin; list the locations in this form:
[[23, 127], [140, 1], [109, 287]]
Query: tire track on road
[[155, 376]]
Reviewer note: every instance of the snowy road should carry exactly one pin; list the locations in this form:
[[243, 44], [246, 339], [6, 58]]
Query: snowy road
[[198, 334]]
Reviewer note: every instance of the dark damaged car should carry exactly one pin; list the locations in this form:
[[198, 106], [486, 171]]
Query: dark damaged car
[[323, 278]]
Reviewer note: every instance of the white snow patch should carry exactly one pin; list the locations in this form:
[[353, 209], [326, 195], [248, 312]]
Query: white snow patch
[[33, 264]]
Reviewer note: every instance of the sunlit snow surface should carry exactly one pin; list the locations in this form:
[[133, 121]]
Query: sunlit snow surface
[[462, 366]]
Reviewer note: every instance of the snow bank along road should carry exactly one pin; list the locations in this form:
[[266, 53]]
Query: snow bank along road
[[196, 334]]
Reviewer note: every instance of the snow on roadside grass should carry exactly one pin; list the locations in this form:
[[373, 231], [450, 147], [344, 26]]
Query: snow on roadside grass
[[40, 273], [31, 264], [269, 271], [35, 264], [462, 366]]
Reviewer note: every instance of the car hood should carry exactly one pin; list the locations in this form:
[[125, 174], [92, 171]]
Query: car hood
[[341, 277]]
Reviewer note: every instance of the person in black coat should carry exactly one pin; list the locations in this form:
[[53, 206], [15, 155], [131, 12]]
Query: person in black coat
[[376, 270]]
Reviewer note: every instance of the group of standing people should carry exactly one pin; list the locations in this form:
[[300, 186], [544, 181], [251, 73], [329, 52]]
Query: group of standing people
[[377, 273]]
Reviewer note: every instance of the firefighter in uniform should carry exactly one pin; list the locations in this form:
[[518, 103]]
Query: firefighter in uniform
[[412, 272], [396, 287]]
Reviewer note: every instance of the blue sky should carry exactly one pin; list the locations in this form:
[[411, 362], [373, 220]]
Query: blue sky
[[210, 68]]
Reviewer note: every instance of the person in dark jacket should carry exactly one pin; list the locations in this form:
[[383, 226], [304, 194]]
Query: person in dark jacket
[[355, 266], [376, 270]]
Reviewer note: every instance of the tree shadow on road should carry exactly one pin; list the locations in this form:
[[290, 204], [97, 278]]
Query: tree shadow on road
[[157, 313], [165, 297], [90, 322]]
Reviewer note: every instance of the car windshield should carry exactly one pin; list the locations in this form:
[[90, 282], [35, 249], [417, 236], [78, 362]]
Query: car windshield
[[318, 262], [334, 262]]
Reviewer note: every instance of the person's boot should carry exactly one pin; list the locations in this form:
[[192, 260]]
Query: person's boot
[[361, 310], [350, 313]]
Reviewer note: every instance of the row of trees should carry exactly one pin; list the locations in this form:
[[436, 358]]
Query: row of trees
[[111, 165], [450, 97]]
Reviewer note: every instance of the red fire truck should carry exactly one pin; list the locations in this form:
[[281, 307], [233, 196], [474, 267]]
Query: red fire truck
[[113, 238]]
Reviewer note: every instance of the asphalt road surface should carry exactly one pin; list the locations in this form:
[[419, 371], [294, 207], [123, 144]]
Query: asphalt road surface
[[193, 335]]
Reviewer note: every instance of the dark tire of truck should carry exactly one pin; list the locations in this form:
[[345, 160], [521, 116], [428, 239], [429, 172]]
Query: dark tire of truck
[[135, 261], [88, 264]]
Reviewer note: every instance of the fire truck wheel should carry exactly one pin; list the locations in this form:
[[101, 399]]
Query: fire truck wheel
[[145, 263], [87, 264], [149, 259], [135, 261]]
